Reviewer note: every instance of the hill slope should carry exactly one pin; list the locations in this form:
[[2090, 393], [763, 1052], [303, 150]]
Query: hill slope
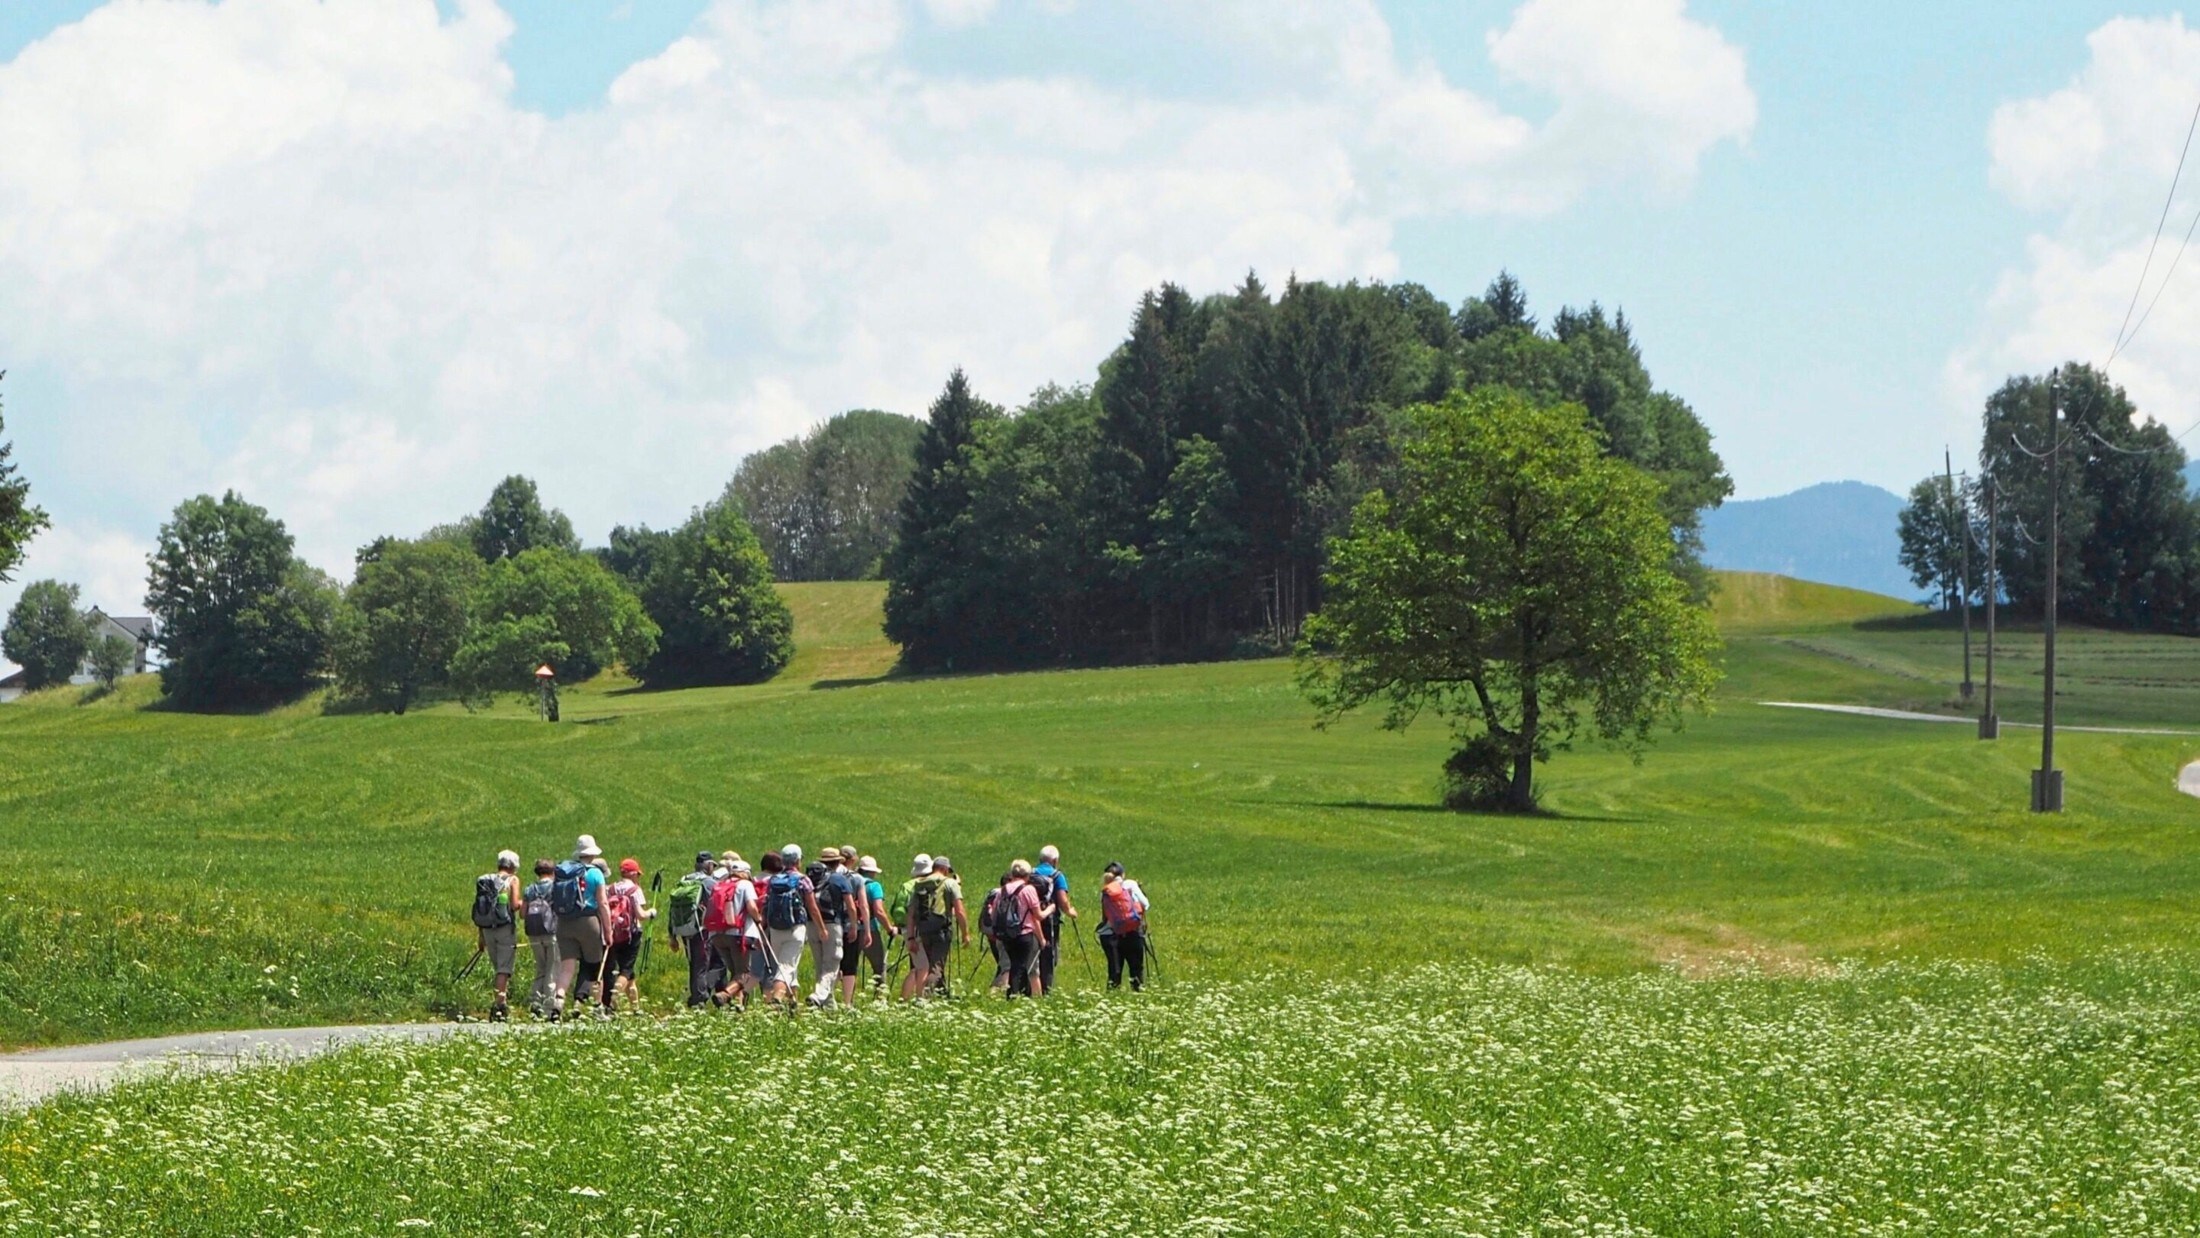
[[1841, 533]]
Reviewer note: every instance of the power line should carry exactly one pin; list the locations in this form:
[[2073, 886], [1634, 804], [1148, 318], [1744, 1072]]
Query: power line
[[2121, 337], [2157, 298]]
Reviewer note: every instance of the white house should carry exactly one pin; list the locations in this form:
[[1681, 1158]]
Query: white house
[[136, 630]]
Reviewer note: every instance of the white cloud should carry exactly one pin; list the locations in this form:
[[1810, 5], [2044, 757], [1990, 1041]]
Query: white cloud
[[2094, 160], [315, 251]]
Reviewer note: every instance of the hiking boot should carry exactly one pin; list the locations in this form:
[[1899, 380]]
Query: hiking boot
[[499, 1013]]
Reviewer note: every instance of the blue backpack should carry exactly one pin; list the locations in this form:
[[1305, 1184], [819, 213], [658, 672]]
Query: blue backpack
[[783, 904], [569, 890]]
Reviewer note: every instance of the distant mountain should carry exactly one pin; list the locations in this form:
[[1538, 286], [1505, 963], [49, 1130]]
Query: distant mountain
[[1838, 532]]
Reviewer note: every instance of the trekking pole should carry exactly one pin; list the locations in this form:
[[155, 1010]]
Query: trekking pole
[[471, 963], [656, 886], [1077, 930], [1153, 958]]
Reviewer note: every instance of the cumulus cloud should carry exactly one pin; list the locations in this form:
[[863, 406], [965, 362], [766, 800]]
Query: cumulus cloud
[[2093, 160], [316, 252]]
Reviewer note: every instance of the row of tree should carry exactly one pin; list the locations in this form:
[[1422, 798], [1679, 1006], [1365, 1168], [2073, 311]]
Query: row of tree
[[1184, 504], [2128, 529], [825, 505], [473, 607]]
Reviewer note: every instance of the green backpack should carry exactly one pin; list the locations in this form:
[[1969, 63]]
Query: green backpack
[[685, 905]]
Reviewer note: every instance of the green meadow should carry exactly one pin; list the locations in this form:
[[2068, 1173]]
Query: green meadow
[[1793, 972]]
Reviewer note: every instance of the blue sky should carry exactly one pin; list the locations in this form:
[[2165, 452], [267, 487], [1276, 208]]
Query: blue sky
[[361, 259]]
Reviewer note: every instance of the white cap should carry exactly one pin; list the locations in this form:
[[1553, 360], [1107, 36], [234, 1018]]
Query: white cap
[[791, 853], [921, 866], [507, 859], [585, 847]]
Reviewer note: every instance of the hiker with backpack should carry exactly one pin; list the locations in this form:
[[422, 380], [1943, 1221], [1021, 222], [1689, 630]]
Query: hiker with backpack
[[882, 925], [627, 914], [1020, 925], [577, 896], [985, 929], [1123, 911], [1051, 885], [842, 929], [542, 939], [934, 902], [790, 909], [732, 923], [684, 926], [497, 908]]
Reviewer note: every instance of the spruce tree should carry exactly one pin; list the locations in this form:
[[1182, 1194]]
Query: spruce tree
[[925, 573]]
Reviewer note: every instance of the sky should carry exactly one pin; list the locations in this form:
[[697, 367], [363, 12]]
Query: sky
[[359, 259]]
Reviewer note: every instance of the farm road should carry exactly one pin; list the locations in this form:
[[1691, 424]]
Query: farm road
[[28, 1078]]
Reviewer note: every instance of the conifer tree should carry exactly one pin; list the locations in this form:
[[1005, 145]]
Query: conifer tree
[[925, 573]]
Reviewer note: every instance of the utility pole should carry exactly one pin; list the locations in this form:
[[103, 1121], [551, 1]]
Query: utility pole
[[1961, 511], [1989, 724], [2047, 781]]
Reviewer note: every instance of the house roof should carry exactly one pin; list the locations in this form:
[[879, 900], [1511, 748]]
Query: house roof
[[139, 627], [17, 680]]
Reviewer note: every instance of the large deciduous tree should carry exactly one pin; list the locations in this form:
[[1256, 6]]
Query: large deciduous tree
[[1930, 531], [710, 592], [47, 635], [1520, 582], [514, 521], [19, 520], [242, 620], [403, 619], [549, 605], [2128, 528]]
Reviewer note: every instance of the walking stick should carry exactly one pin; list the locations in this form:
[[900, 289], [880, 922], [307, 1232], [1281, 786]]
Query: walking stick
[[1153, 957], [1077, 930], [471, 963]]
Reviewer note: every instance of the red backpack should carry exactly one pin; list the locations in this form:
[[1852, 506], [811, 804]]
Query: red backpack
[[1121, 910], [625, 918], [720, 916]]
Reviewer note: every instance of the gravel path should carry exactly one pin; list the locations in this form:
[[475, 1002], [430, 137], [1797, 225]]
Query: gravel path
[[30, 1077]]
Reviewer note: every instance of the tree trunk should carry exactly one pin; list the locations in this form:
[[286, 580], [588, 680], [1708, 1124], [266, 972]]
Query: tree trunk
[[1520, 796]]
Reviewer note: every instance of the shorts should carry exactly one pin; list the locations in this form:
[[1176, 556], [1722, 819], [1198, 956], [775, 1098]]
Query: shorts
[[623, 957], [581, 938], [785, 954], [503, 947]]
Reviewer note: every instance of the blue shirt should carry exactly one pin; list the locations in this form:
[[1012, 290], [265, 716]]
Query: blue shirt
[[1061, 886], [592, 889]]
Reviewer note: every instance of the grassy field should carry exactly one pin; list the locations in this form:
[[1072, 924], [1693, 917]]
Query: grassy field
[[1821, 965]]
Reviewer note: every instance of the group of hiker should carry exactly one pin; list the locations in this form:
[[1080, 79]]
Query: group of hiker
[[744, 929]]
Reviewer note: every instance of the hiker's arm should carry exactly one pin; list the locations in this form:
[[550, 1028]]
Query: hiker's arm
[[1061, 896], [810, 897], [962, 921]]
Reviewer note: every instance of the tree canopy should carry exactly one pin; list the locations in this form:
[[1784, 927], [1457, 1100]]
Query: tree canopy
[[1931, 530], [241, 619], [1184, 506], [1519, 582], [709, 591], [514, 521], [46, 634], [2130, 539], [19, 519], [825, 506], [404, 617], [549, 605]]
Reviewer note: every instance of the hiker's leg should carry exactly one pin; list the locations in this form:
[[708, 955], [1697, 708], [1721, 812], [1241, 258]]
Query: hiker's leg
[[1112, 947], [825, 954], [1134, 953]]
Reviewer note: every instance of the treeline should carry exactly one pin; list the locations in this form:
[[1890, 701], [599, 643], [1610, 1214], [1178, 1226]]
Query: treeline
[[1182, 506], [824, 505], [472, 607], [2129, 532]]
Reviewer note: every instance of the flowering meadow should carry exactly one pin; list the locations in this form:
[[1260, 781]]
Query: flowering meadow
[[1473, 1099]]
